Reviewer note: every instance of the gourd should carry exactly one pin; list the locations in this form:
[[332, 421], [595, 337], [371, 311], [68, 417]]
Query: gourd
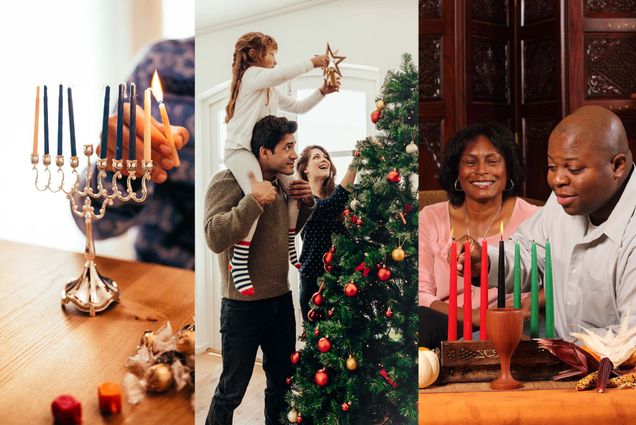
[[428, 367]]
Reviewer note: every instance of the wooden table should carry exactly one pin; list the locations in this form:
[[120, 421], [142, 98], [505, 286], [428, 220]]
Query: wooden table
[[537, 403], [46, 351]]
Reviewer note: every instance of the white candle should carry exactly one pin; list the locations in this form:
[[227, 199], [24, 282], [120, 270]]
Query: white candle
[[157, 91], [147, 124], [37, 120]]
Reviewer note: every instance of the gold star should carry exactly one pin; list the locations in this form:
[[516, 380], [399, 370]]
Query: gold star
[[334, 60]]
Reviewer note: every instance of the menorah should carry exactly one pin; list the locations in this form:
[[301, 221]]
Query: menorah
[[92, 292]]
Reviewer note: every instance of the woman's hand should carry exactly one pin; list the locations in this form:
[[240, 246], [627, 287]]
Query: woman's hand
[[329, 88], [320, 61]]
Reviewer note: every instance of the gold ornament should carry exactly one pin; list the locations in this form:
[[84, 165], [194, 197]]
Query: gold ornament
[[380, 104], [351, 363], [331, 73], [398, 254], [159, 377], [292, 416], [411, 148]]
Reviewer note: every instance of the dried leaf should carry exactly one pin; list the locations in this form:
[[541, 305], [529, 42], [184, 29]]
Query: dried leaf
[[574, 356]]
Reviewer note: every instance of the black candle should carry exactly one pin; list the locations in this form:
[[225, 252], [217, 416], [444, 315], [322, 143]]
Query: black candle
[[46, 122], [133, 117], [60, 116], [120, 122], [104, 146], [71, 122], [501, 282]]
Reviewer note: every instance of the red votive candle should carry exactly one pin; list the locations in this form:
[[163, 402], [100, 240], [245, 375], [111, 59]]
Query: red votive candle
[[66, 410], [468, 304], [483, 287], [452, 294], [109, 395]]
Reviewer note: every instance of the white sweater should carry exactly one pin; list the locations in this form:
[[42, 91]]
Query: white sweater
[[252, 105]]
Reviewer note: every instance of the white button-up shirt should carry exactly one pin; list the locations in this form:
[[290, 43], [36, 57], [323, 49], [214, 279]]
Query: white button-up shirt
[[593, 268]]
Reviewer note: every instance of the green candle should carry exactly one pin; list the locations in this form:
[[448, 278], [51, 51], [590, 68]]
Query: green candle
[[549, 300], [517, 277], [534, 294]]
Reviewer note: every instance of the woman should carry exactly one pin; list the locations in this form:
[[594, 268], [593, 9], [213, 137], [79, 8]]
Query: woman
[[315, 166], [482, 173]]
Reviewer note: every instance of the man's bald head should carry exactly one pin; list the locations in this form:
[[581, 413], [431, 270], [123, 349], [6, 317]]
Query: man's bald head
[[589, 162], [597, 128]]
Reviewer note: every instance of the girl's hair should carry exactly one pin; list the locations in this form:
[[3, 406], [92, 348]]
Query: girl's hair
[[258, 41], [329, 184]]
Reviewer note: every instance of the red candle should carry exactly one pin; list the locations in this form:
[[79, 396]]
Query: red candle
[[468, 304], [483, 286], [452, 293], [66, 410], [109, 395]]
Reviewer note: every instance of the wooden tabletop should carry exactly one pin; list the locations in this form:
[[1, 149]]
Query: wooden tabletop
[[536, 403], [46, 351]]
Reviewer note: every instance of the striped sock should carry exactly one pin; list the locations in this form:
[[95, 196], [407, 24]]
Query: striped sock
[[238, 268], [291, 243]]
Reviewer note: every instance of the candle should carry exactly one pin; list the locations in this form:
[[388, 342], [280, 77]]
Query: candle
[[46, 121], [104, 146], [71, 122], [66, 410], [60, 118], [120, 122], [109, 395], [37, 120], [452, 293], [147, 123], [517, 277], [549, 299], [132, 139], [534, 294], [157, 91], [468, 307], [483, 286], [501, 281]]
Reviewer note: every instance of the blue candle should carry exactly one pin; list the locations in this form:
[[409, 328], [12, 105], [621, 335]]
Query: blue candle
[[132, 139], [60, 118], [71, 122], [104, 146], [120, 122], [46, 122]]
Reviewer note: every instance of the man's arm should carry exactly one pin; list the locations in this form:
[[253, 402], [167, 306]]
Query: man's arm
[[228, 215]]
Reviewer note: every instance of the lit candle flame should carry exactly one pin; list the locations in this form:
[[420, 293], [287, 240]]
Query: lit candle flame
[[501, 230], [452, 233], [157, 91]]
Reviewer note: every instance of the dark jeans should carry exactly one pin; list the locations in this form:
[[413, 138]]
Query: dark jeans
[[246, 325], [308, 287], [433, 328]]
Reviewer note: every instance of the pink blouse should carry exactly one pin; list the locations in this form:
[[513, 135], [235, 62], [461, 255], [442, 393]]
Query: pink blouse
[[434, 243]]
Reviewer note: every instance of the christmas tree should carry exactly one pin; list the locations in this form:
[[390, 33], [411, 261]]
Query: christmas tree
[[358, 365]]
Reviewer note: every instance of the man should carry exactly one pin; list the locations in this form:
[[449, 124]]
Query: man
[[266, 318], [590, 223]]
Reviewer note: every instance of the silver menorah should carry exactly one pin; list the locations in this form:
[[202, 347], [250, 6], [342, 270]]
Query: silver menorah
[[91, 292]]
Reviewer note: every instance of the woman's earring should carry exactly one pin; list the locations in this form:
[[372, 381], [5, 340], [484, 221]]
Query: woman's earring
[[512, 185], [457, 189]]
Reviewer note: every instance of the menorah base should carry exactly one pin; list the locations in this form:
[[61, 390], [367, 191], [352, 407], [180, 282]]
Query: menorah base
[[91, 292]]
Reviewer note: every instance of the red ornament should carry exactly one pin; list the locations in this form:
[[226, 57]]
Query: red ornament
[[393, 176], [350, 289], [299, 419], [327, 257], [388, 378], [288, 380], [384, 274], [346, 213], [316, 331], [311, 315], [359, 222], [328, 268], [353, 218], [389, 313], [357, 153], [375, 116], [324, 345], [345, 406], [317, 298], [321, 378], [330, 312], [295, 357], [408, 208]]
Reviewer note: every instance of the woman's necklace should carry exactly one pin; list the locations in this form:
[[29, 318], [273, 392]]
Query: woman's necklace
[[489, 224]]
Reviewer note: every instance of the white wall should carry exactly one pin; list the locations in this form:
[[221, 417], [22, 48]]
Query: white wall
[[373, 33]]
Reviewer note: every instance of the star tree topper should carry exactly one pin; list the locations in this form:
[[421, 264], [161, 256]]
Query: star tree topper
[[332, 69]]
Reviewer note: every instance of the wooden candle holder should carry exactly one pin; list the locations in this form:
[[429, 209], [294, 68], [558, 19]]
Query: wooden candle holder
[[477, 361]]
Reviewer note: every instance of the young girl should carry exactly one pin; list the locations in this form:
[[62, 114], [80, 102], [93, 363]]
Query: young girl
[[253, 95]]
